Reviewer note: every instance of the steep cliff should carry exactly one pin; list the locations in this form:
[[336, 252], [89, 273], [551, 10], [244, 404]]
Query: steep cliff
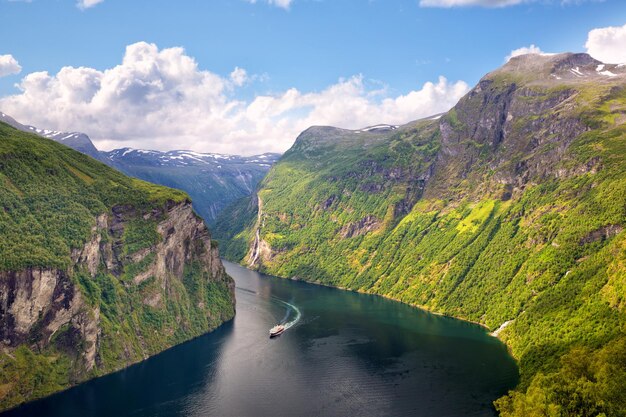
[[97, 270], [509, 208]]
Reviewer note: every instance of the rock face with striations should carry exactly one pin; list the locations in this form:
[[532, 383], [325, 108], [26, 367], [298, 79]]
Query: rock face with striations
[[97, 270]]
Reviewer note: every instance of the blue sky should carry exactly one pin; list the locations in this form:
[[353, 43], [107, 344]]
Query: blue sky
[[311, 45]]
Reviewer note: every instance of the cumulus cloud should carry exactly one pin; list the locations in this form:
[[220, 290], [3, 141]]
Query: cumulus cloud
[[161, 99], [284, 4], [532, 49], [9, 66], [86, 4], [608, 44]]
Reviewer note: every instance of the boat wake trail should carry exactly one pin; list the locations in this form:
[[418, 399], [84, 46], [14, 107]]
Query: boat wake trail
[[290, 308]]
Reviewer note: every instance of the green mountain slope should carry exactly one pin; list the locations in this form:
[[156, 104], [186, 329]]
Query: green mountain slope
[[97, 270], [509, 210]]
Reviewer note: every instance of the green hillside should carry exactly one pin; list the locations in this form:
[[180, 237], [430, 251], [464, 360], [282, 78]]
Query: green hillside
[[89, 280], [508, 211]]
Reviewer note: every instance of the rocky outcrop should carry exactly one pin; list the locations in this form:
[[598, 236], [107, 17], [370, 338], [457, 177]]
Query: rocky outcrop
[[508, 128], [37, 305], [365, 225]]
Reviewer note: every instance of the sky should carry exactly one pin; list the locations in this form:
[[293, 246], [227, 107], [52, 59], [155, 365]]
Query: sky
[[247, 76]]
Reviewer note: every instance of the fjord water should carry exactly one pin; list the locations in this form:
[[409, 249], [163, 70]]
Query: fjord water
[[347, 354]]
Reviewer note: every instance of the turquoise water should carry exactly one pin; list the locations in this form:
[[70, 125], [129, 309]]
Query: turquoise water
[[343, 354]]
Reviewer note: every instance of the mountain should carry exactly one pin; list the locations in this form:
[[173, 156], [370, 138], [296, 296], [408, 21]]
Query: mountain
[[213, 181], [509, 210], [97, 270], [76, 140]]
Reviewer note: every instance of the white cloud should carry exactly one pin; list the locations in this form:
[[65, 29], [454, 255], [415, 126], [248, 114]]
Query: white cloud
[[281, 3], [464, 3], [284, 4], [239, 76], [532, 49], [160, 99], [9, 66], [86, 4], [607, 44]]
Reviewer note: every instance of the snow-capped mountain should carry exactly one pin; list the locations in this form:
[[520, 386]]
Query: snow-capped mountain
[[75, 140], [213, 181], [185, 158]]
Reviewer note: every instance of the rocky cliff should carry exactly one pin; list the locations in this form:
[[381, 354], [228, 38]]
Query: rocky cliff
[[98, 270]]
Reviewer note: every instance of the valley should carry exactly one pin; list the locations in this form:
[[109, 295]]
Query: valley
[[507, 211]]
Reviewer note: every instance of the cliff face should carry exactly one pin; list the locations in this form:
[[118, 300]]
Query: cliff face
[[36, 302], [126, 282], [517, 124], [48, 310]]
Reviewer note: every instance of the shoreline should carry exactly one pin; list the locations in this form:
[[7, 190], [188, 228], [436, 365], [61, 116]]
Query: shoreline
[[495, 333]]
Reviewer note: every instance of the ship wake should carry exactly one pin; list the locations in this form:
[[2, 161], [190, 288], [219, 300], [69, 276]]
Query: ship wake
[[292, 311]]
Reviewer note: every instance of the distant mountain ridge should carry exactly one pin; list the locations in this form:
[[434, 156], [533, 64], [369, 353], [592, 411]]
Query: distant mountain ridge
[[75, 140], [212, 180]]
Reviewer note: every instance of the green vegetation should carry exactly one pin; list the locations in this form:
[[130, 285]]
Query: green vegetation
[[140, 234], [51, 195], [25, 375], [527, 227], [50, 199]]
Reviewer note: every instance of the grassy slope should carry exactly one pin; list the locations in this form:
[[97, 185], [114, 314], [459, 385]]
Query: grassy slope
[[552, 258], [50, 197]]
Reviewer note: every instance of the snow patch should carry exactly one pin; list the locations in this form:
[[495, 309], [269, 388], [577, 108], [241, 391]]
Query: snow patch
[[190, 156], [381, 126], [608, 73], [576, 72], [600, 68]]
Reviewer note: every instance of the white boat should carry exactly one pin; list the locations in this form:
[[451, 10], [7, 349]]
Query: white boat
[[277, 330]]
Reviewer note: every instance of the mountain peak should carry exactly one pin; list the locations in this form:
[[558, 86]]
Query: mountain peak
[[76, 140], [578, 67]]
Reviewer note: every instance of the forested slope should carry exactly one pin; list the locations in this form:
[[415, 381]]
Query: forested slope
[[97, 270], [509, 210]]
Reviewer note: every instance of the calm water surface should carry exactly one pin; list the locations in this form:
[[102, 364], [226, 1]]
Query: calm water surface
[[347, 355]]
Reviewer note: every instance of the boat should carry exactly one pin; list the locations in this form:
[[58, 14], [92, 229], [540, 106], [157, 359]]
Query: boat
[[277, 330]]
